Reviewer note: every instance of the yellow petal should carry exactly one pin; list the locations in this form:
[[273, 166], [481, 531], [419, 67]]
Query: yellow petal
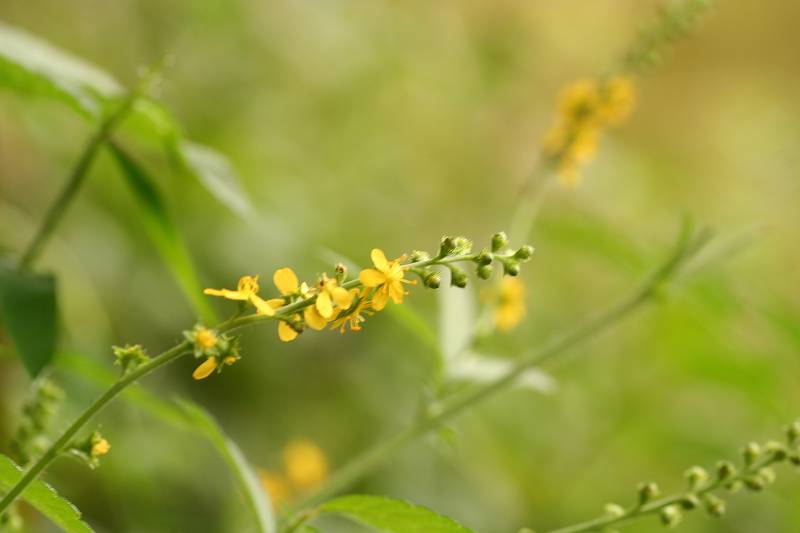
[[286, 280], [306, 464], [226, 293], [285, 332], [323, 304], [371, 277], [342, 297], [396, 292], [276, 302], [262, 307], [379, 300], [205, 369], [379, 259], [314, 319]]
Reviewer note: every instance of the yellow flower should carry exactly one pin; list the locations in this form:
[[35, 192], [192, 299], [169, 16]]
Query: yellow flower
[[355, 317], [306, 464], [578, 100], [510, 304], [100, 447], [386, 278], [276, 486], [247, 290], [205, 338], [288, 285], [208, 366], [329, 294], [619, 99]]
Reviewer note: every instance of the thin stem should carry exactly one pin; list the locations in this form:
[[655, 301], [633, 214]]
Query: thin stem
[[686, 247], [638, 512]]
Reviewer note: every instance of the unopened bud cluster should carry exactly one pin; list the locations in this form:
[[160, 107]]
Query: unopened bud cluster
[[38, 411]]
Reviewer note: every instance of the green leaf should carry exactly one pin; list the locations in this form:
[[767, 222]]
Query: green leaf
[[162, 231], [28, 310], [391, 516], [217, 174], [32, 66], [44, 499], [257, 499]]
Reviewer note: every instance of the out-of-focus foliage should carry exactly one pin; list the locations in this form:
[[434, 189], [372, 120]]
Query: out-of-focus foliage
[[356, 124]]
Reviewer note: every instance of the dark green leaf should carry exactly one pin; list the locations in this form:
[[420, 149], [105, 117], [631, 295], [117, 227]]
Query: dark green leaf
[[44, 499], [162, 231], [28, 309], [392, 516]]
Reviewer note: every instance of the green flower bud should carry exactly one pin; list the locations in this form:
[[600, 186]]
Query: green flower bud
[[714, 506], [755, 483], [419, 255], [484, 257], [776, 450], [795, 459], [499, 241], [767, 475], [524, 253], [793, 432], [433, 280], [670, 516], [689, 502], [485, 271], [734, 486], [510, 268], [751, 453], [341, 273], [462, 246], [647, 492], [458, 277], [696, 476], [613, 510], [447, 246], [725, 470], [130, 357]]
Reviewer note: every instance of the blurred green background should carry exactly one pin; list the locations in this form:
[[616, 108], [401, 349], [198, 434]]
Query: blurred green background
[[357, 124]]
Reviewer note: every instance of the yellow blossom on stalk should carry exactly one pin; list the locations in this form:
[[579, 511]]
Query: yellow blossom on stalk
[[288, 285], [276, 486], [329, 294], [306, 464], [206, 338], [355, 317], [100, 447], [509, 307], [247, 290], [585, 108], [386, 278]]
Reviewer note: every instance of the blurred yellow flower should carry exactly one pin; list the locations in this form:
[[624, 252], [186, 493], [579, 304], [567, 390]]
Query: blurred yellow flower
[[509, 307], [386, 278], [305, 463], [618, 102], [247, 290], [276, 486], [100, 447]]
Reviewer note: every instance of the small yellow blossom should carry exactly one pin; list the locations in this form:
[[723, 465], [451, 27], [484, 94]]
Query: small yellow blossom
[[509, 307], [100, 447], [306, 464], [277, 486], [288, 285], [619, 100], [355, 317], [206, 338], [205, 369], [329, 294], [386, 278], [247, 290]]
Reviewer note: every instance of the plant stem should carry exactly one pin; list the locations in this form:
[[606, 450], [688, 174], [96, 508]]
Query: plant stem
[[63, 441], [688, 245], [655, 506]]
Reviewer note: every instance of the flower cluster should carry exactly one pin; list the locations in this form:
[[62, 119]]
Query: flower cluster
[[585, 108], [129, 357], [37, 414], [90, 449], [305, 468], [333, 300]]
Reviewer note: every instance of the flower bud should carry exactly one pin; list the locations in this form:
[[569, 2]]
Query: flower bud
[[751, 453], [458, 277], [499, 241], [689, 502], [696, 476], [447, 246], [755, 483], [613, 510], [433, 280], [462, 245], [714, 506], [725, 470], [510, 268], [795, 459], [484, 257], [670, 516], [793, 432], [647, 492], [485, 271], [734, 486], [341, 273], [419, 255], [767, 475], [776, 450], [524, 253]]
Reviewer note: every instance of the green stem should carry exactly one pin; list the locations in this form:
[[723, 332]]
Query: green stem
[[686, 247], [63, 441], [651, 508]]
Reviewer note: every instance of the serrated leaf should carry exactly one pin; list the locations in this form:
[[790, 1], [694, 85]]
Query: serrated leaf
[[392, 516], [257, 499], [162, 231], [28, 311], [43, 498], [217, 174], [32, 66]]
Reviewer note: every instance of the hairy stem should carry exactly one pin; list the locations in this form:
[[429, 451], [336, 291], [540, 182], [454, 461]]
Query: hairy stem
[[687, 246]]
